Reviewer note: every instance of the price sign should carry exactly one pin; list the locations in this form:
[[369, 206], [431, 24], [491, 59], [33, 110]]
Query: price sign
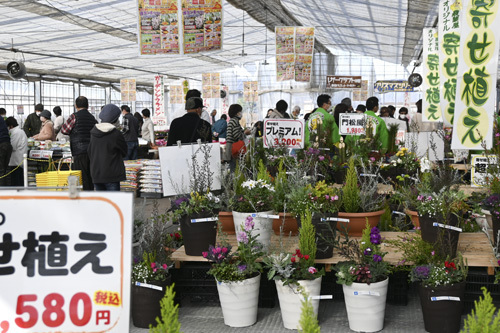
[[287, 133], [352, 124], [480, 164], [65, 272], [42, 154]]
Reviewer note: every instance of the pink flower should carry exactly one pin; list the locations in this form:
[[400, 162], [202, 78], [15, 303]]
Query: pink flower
[[312, 270], [224, 250], [327, 196], [153, 265], [164, 266], [321, 157], [372, 159], [204, 254], [335, 197], [433, 253], [497, 135]]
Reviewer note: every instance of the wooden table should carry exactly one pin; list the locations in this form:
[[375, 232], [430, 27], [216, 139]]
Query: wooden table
[[475, 247]]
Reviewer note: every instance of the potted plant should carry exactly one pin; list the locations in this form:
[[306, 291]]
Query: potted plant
[[286, 223], [173, 241], [360, 199], [323, 202], [254, 198], [364, 280], [238, 276], [403, 162], [149, 280], [294, 273], [441, 290], [198, 218], [492, 204]]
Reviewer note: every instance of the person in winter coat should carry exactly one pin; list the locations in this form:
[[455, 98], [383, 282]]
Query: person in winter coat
[[148, 130], [106, 151], [219, 128], [47, 131]]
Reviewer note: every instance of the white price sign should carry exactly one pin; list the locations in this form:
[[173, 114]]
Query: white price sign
[[65, 272], [284, 133], [479, 172], [42, 154], [352, 124]]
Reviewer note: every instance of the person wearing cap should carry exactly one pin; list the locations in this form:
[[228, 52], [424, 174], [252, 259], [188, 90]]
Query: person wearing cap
[[347, 102], [47, 131], [106, 151], [130, 131], [78, 127], [190, 127], [33, 123]]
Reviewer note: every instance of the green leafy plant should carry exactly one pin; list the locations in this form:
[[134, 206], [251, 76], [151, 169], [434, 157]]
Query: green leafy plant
[[281, 188], [169, 321], [196, 203], [149, 269], [484, 317], [308, 322], [440, 274], [256, 196], [320, 198], [350, 191], [307, 237], [414, 250]]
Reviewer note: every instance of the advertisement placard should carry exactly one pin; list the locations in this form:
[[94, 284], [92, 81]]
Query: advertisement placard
[[284, 133]]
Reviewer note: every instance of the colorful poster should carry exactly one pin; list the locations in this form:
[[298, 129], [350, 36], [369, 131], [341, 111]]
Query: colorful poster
[[210, 84], [285, 67], [251, 91], [159, 96], [158, 27], [284, 40], [127, 89], [287, 133], [206, 79], [477, 75], [431, 109], [303, 67], [202, 25], [215, 77], [65, 275], [304, 40], [449, 43], [392, 86], [176, 95]]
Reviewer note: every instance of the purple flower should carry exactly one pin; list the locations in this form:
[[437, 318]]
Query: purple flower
[[242, 268], [242, 237], [375, 237], [421, 272], [249, 224], [377, 258], [179, 201], [321, 157]]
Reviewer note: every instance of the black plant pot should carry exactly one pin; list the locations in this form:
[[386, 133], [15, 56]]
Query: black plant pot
[[445, 241], [496, 226], [198, 236], [146, 303], [442, 316], [325, 233]]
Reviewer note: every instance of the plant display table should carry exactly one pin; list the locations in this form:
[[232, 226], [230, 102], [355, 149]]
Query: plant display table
[[475, 247]]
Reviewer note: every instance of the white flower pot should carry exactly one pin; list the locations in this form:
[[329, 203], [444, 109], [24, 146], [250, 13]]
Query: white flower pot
[[263, 225], [489, 219], [365, 305], [291, 300], [239, 301]]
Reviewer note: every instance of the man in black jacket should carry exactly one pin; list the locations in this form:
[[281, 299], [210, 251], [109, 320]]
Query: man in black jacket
[[130, 130], [190, 127], [106, 150], [78, 128]]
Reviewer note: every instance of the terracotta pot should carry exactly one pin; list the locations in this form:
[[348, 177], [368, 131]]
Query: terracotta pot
[[357, 221], [414, 217], [227, 222], [289, 223]]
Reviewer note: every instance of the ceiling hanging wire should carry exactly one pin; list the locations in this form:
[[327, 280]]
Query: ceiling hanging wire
[[265, 63], [243, 54]]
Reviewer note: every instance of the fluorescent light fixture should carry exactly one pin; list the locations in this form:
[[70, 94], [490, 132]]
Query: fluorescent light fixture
[[99, 65]]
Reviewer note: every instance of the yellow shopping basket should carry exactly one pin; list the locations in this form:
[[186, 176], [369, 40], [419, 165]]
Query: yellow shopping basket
[[57, 178]]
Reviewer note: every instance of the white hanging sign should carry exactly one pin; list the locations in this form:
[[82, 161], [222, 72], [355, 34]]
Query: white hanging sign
[[431, 110], [479, 171], [284, 133]]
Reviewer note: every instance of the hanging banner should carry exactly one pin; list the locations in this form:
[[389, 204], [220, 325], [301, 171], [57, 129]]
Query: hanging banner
[[343, 82], [449, 43], [392, 86], [284, 40], [287, 133], [431, 111], [285, 67], [202, 25], [251, 91], [210, 85], [65, 272], [303, 67], [159, 96], [127, 90], [477, 75], [304, 40], [176, 95], [158, 27]]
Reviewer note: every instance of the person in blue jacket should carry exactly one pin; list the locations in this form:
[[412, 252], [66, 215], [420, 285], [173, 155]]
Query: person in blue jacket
[[219, 128]]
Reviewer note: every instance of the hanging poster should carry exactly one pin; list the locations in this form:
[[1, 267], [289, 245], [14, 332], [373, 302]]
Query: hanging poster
[[127, 90], [285, 67], [158, 27], [202, 25], [303, 67], [304, 40], [251, 91], [449, 43], [431, 110], [159, 96], [346, 82], [210, 85], [215, 77], [284, 40], [477, 75], [176, 95]]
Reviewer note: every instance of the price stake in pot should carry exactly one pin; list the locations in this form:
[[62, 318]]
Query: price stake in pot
[[288, 133], [65, 263], [352, 124]]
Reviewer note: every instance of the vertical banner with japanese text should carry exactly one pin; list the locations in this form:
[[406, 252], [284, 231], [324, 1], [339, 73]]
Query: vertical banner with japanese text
[[431, 111], [159, 118], [477, 75], [65, 272], [449, 43]]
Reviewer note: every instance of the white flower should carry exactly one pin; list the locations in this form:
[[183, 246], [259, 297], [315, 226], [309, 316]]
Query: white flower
[[399, 161], [249, 184], [425, 164]]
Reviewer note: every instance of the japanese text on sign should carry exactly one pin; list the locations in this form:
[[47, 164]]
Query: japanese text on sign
[[284, 133], [431, 110], [352, 124], [479, 172], [337, 82], [392, 86], [72, 270]]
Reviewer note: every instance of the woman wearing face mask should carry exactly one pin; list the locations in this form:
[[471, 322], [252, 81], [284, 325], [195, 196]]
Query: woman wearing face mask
[[234, 132], [403, 115], [32, 124], [47, 131]]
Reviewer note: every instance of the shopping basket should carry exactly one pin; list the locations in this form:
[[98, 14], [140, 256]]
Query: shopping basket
[[57, 178]]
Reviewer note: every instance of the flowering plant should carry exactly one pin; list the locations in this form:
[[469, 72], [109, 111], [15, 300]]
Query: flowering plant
[[291, 267], [492, 203], [404, 159], [365, 259], [321, 198], [196, 203], [442, 204], [173, 241], [256, 196], [148, 270], [440, 274], [240, 265]]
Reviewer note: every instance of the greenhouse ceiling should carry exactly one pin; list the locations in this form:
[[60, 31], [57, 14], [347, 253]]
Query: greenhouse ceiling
[[65, 38]]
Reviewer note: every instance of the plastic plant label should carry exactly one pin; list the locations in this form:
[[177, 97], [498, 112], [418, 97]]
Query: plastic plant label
[[445, 298], [435, 224], [207, 219], [398, 213], [366, 293], [338, 219], [321, 297], [150, 286]]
